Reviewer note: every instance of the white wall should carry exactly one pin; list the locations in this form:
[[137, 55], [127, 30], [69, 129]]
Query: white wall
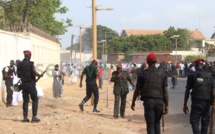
[[44, 53], [183, 54]]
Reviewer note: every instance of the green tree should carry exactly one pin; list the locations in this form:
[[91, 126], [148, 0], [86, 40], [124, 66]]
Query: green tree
[[103, 33], [194, 57], [20, 14], [132, 44], [185, 40]]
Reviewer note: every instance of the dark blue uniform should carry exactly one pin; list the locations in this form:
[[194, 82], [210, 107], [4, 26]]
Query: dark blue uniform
[[152, 93], [202, 84], [27, 76], [91, 73]]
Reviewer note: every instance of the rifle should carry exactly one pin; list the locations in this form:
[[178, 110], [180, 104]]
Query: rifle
[[212, 118], [163, 114], [42, 74]]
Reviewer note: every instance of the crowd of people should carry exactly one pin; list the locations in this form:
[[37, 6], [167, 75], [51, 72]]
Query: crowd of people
[[148, 80]]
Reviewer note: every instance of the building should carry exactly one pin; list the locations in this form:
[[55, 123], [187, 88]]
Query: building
[[140, 57], [196, 34]]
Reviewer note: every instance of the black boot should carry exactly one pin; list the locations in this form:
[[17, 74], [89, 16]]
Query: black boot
[[35, 119], [25, 119], [95, 108], [81, 105]]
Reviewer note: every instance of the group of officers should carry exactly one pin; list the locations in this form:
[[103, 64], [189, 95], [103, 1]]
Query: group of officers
[[27, 73], [152, 86]]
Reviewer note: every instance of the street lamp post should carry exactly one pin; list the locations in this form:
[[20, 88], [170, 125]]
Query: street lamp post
[[176, 46], [94, 33], [80, 37], [94, 26], [103, 44]]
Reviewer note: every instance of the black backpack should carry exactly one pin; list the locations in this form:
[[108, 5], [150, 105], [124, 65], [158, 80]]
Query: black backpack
[[3, 73]]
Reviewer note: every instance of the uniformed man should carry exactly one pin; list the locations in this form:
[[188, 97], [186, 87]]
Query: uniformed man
[[27, 73], [9, 71], [152, 85], [202, 85], [174, 75], [91, 73], [134, 74], [120, 91]]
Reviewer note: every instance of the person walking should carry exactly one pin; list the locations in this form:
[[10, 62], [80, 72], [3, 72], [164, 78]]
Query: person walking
[[57, 82], [174, 75], [134, 73], [100, 77], [9, 71], [120, 91], [152, 85], [91, 73], [201, 85], [27, 73]]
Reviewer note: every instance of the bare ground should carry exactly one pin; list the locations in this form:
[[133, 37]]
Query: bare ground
[[63, 116]]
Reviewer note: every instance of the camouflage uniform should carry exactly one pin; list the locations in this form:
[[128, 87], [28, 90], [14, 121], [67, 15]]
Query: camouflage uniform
[[120, 91]]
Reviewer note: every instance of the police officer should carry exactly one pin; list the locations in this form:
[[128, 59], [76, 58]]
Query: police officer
[[27, 73], [174, 75], [152, 85], [202, 85], [9, 71], [120, 91], [91, 73]]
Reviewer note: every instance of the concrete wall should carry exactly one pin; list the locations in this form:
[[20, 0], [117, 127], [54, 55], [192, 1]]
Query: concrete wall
[[44, 53], [183, 54]]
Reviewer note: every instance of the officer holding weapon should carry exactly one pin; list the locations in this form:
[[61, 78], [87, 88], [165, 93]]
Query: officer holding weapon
[[27, 73]]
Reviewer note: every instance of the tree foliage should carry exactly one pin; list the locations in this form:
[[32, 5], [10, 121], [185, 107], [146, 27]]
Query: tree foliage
[[194, 57], [185, 40], [20, 14], [156, 42], [103, 33]]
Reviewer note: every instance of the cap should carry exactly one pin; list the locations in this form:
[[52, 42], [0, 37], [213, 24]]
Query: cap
[[150, 57], [27, 52], [95, 61], [199, 60]]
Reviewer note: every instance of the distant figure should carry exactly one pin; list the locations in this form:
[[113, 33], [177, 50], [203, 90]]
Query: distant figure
[[17, 95], [100, 77], [134, 74], [74, 75], [9, 71], [110, 73], [174, 75], [57, 82]]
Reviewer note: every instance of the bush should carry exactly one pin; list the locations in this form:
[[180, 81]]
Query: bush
[[194, 57]]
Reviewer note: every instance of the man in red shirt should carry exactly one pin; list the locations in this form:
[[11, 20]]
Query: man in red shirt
[[100, 77], [178, 68]]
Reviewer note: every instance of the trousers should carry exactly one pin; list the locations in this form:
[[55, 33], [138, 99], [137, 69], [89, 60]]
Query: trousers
[[153, 114], [29, 89], [200, 110]]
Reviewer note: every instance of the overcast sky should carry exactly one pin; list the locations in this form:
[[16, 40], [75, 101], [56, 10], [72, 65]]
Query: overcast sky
[[141, 14]]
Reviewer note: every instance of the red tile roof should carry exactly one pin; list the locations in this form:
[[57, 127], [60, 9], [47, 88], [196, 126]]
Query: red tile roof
[[143, 32], [197, 35]]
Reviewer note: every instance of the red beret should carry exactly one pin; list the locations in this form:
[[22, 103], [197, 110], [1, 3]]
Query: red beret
[[151, 56], [27, 52], [199, 60], [95, 61]]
